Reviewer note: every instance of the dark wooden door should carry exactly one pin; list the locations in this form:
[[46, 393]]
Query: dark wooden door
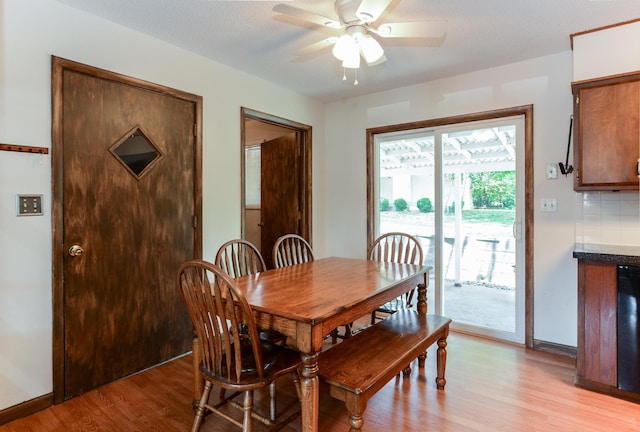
[[280, 191], [129, 186]]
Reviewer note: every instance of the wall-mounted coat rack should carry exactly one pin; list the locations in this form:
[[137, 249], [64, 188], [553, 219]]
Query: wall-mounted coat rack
[[24, 149]]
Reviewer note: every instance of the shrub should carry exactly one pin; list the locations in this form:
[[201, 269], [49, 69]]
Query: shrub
[[384, 204], [452, 207], [400, 204], [424, 205]]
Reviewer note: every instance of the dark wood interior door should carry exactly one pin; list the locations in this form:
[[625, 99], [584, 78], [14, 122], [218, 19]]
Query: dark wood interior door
[[130, 183], [280, 191]]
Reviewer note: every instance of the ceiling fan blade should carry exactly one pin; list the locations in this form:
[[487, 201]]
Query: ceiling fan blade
[[305, 15], [318, 46], [370, 10], [420, 29]]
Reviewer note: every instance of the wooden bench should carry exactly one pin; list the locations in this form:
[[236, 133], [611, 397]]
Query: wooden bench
[[355, 369]]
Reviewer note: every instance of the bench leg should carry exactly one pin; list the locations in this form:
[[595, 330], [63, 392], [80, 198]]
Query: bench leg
[[421, 359], [355, 423], [406, 372], [442, 361], [356, 406]]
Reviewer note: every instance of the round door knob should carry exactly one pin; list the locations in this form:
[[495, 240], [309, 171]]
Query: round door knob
[[76, 250]]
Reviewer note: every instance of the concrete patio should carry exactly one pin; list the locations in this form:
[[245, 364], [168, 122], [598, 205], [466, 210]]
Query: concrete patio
[[483, 294]]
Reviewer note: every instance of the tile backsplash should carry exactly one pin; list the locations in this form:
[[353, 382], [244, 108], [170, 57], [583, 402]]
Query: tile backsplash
[[608, 218]]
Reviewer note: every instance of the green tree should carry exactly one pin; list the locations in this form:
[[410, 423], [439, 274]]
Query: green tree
[[493, 189]]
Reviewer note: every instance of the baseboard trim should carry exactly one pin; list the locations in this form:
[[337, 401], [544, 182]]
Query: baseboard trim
[[554, 348], [26, 408]]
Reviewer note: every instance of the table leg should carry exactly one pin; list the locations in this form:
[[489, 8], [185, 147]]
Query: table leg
[[309, 392], [422, 308], [422, 294]]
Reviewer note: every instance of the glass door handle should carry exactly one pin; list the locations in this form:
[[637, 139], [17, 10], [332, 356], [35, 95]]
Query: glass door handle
[[517, 230]]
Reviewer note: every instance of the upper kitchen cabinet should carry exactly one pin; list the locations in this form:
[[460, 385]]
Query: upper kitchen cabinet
[[607, 133]]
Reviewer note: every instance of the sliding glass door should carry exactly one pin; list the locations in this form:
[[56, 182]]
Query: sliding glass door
[[459, 190]]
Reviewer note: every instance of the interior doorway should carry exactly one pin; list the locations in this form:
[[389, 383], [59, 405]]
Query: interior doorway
[[276, 179]]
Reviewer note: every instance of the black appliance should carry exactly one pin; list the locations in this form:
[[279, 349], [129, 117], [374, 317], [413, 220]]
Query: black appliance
[[629, 328]]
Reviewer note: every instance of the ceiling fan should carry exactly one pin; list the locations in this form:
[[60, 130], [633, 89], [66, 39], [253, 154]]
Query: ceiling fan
[[358, 23]]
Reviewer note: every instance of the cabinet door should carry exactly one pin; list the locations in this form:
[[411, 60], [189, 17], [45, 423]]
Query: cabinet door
[[597, 342], [607, 135]]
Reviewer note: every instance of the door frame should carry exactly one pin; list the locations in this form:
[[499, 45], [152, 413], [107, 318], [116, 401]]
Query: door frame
[[304, 138], [527, 112], [58, 66]]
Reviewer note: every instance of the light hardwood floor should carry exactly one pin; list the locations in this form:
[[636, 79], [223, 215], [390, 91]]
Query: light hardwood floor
[[490, 387]]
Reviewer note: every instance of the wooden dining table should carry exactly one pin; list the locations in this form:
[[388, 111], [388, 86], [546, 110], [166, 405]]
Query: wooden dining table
[[307, 301]]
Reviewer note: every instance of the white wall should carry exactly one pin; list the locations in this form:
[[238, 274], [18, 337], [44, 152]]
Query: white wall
[[545, 83], [607, 217], [31, 32], [610, 51]]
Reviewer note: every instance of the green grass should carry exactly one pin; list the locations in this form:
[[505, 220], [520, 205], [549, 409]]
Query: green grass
[[499, 216]]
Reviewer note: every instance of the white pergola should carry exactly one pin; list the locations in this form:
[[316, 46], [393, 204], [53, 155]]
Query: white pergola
[[489, 149], [474, 150]]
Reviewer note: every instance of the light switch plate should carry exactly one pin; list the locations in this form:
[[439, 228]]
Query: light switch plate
[[548, 205], [552, 171], [28, 205]]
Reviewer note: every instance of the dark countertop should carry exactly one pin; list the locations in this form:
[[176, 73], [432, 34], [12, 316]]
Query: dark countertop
[[611, 254]]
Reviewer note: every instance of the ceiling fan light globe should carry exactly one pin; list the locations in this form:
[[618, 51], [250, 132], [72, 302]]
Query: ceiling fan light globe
[[379, 61], [344, 45], [352, 61], [371, 49]]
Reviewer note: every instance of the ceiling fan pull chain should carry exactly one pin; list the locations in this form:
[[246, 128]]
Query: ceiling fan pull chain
[[344, 74], [355, 82]]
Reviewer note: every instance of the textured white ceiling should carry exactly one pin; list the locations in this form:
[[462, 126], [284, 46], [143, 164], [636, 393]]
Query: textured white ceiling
[[248, 36]]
